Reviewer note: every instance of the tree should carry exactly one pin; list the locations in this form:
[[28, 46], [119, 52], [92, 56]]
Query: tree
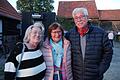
[[35, 5], [67, 24]]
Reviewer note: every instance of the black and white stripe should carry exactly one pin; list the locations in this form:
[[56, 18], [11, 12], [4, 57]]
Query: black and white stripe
[[32, 65]]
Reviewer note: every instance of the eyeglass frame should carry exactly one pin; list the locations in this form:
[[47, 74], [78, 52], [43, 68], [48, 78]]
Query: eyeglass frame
[[59, 32], [80, 17]]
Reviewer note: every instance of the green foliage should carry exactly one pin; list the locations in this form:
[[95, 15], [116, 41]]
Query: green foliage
[[35, 5], [66, 23]]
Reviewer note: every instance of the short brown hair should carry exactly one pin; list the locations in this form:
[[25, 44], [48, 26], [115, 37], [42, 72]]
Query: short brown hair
[[54, 26]]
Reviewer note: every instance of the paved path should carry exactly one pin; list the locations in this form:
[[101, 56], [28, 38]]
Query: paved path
[[113, 72]]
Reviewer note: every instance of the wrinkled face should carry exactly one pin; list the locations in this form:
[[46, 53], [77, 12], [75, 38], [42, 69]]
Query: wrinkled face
[[35, 35], [56, 35], [80, 20]]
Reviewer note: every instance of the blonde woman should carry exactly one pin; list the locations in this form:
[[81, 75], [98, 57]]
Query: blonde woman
[[32, 65]]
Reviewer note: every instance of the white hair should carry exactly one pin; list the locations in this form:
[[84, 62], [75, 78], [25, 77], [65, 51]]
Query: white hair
[[80, 10], [29, 29], [40, 25]]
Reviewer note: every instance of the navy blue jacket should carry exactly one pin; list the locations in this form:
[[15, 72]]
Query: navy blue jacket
[[98, 54]]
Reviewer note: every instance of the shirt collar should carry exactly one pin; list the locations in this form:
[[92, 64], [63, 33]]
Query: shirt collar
[[83, 30]]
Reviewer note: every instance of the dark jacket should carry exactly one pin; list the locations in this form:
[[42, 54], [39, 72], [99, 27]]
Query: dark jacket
[[98, 54]]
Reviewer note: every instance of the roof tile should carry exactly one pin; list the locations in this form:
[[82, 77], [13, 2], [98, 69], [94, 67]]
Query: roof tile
[[65, 8], [7, 10], [109, 14]]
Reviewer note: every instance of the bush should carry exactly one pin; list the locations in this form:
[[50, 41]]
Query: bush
[[66, 23]]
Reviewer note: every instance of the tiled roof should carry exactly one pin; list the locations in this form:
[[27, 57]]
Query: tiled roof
[[65, 8], [7, 10], [109, 14]]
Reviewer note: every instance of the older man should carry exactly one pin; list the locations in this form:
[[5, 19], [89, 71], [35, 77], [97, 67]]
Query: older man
[[90, 46]]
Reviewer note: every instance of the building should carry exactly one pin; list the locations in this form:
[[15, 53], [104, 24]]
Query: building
[[9, 19], [108, 19]]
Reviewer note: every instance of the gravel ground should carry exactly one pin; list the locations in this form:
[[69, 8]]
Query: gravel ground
[[113, 73]]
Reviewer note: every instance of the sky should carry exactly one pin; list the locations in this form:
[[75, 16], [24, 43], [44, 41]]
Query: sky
[[101, 4]]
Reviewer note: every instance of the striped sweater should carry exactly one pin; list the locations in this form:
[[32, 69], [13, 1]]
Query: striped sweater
[[32, 65]]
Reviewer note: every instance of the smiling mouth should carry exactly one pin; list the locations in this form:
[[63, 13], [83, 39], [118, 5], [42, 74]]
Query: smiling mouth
[[79, 23]]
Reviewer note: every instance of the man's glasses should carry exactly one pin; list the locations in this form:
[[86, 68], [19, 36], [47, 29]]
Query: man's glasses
[[80, 17]]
